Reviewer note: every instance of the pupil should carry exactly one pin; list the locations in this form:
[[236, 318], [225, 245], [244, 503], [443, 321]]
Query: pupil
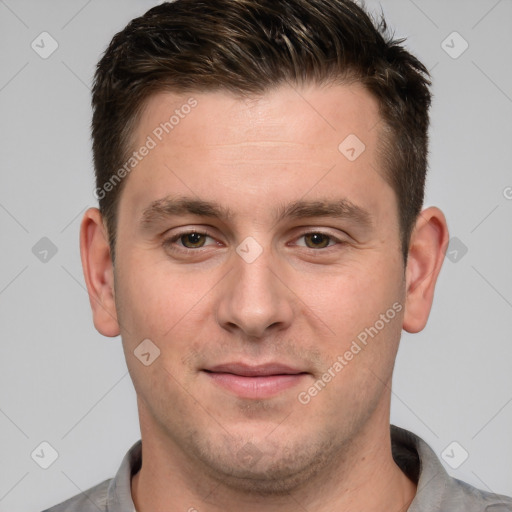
[[194, 238], [318, 240]]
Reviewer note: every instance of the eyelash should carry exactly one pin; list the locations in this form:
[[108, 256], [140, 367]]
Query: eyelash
[[169, 242]]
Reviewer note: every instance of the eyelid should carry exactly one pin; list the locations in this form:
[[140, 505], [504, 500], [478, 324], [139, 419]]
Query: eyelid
[[170, 241], [334, 238]]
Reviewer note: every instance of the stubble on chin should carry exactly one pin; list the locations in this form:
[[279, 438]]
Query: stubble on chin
[[269, 468]]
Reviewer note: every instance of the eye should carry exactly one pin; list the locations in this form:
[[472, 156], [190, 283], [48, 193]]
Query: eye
[[318, 240], [188, 240], [193, 240]]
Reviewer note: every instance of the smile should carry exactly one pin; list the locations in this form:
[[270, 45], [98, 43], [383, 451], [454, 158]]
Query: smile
[[255, 382]]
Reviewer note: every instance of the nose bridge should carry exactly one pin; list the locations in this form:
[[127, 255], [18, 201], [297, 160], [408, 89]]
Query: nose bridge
[[253, 298], [254, 283]]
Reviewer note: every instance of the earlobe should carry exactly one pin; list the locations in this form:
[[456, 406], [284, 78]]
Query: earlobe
[[427, 249], [98, 272]]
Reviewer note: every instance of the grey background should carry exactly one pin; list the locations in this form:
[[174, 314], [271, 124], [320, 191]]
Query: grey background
[[63, 383]]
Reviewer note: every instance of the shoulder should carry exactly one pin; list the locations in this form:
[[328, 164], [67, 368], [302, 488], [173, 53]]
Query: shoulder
[[113, 494], [92, 500], [466, 497], [436, 489]]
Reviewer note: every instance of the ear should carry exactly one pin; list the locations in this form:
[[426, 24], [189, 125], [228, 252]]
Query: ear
[[427, 248], [98, 272]]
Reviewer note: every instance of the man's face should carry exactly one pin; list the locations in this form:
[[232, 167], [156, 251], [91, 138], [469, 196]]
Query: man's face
[[252, 310]]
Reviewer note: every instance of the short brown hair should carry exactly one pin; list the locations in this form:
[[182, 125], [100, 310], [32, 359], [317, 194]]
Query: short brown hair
[[248, 47]]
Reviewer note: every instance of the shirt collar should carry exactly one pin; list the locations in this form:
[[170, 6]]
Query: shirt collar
[[119, 494], [420, 463]]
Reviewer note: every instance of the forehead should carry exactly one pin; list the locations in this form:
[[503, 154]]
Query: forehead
[[272, 148], [315, 115]]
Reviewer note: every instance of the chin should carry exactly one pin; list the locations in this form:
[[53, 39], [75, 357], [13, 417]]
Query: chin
[[270, 468]]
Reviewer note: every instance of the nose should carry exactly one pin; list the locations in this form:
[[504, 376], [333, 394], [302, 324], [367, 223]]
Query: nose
[[254, 298]]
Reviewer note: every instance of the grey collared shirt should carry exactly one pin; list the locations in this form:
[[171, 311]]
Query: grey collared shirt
[[437, 491]]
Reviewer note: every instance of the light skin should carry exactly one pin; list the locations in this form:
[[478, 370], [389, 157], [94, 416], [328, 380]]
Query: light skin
[[213, 442]]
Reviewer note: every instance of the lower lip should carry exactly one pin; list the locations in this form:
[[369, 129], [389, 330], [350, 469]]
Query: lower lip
[[256, 387]]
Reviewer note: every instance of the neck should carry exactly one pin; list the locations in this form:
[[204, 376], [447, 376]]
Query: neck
[[362, 476]]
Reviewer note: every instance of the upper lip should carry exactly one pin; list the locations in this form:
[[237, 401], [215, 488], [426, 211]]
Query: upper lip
[[261, 370]]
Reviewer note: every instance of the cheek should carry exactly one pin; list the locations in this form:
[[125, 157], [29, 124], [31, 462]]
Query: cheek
[[152, 305], [148, 302], [364, 310], [171, 306], [352, 298]]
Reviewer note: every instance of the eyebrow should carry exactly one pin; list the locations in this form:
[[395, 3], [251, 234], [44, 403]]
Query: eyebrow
[[179, 206]]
